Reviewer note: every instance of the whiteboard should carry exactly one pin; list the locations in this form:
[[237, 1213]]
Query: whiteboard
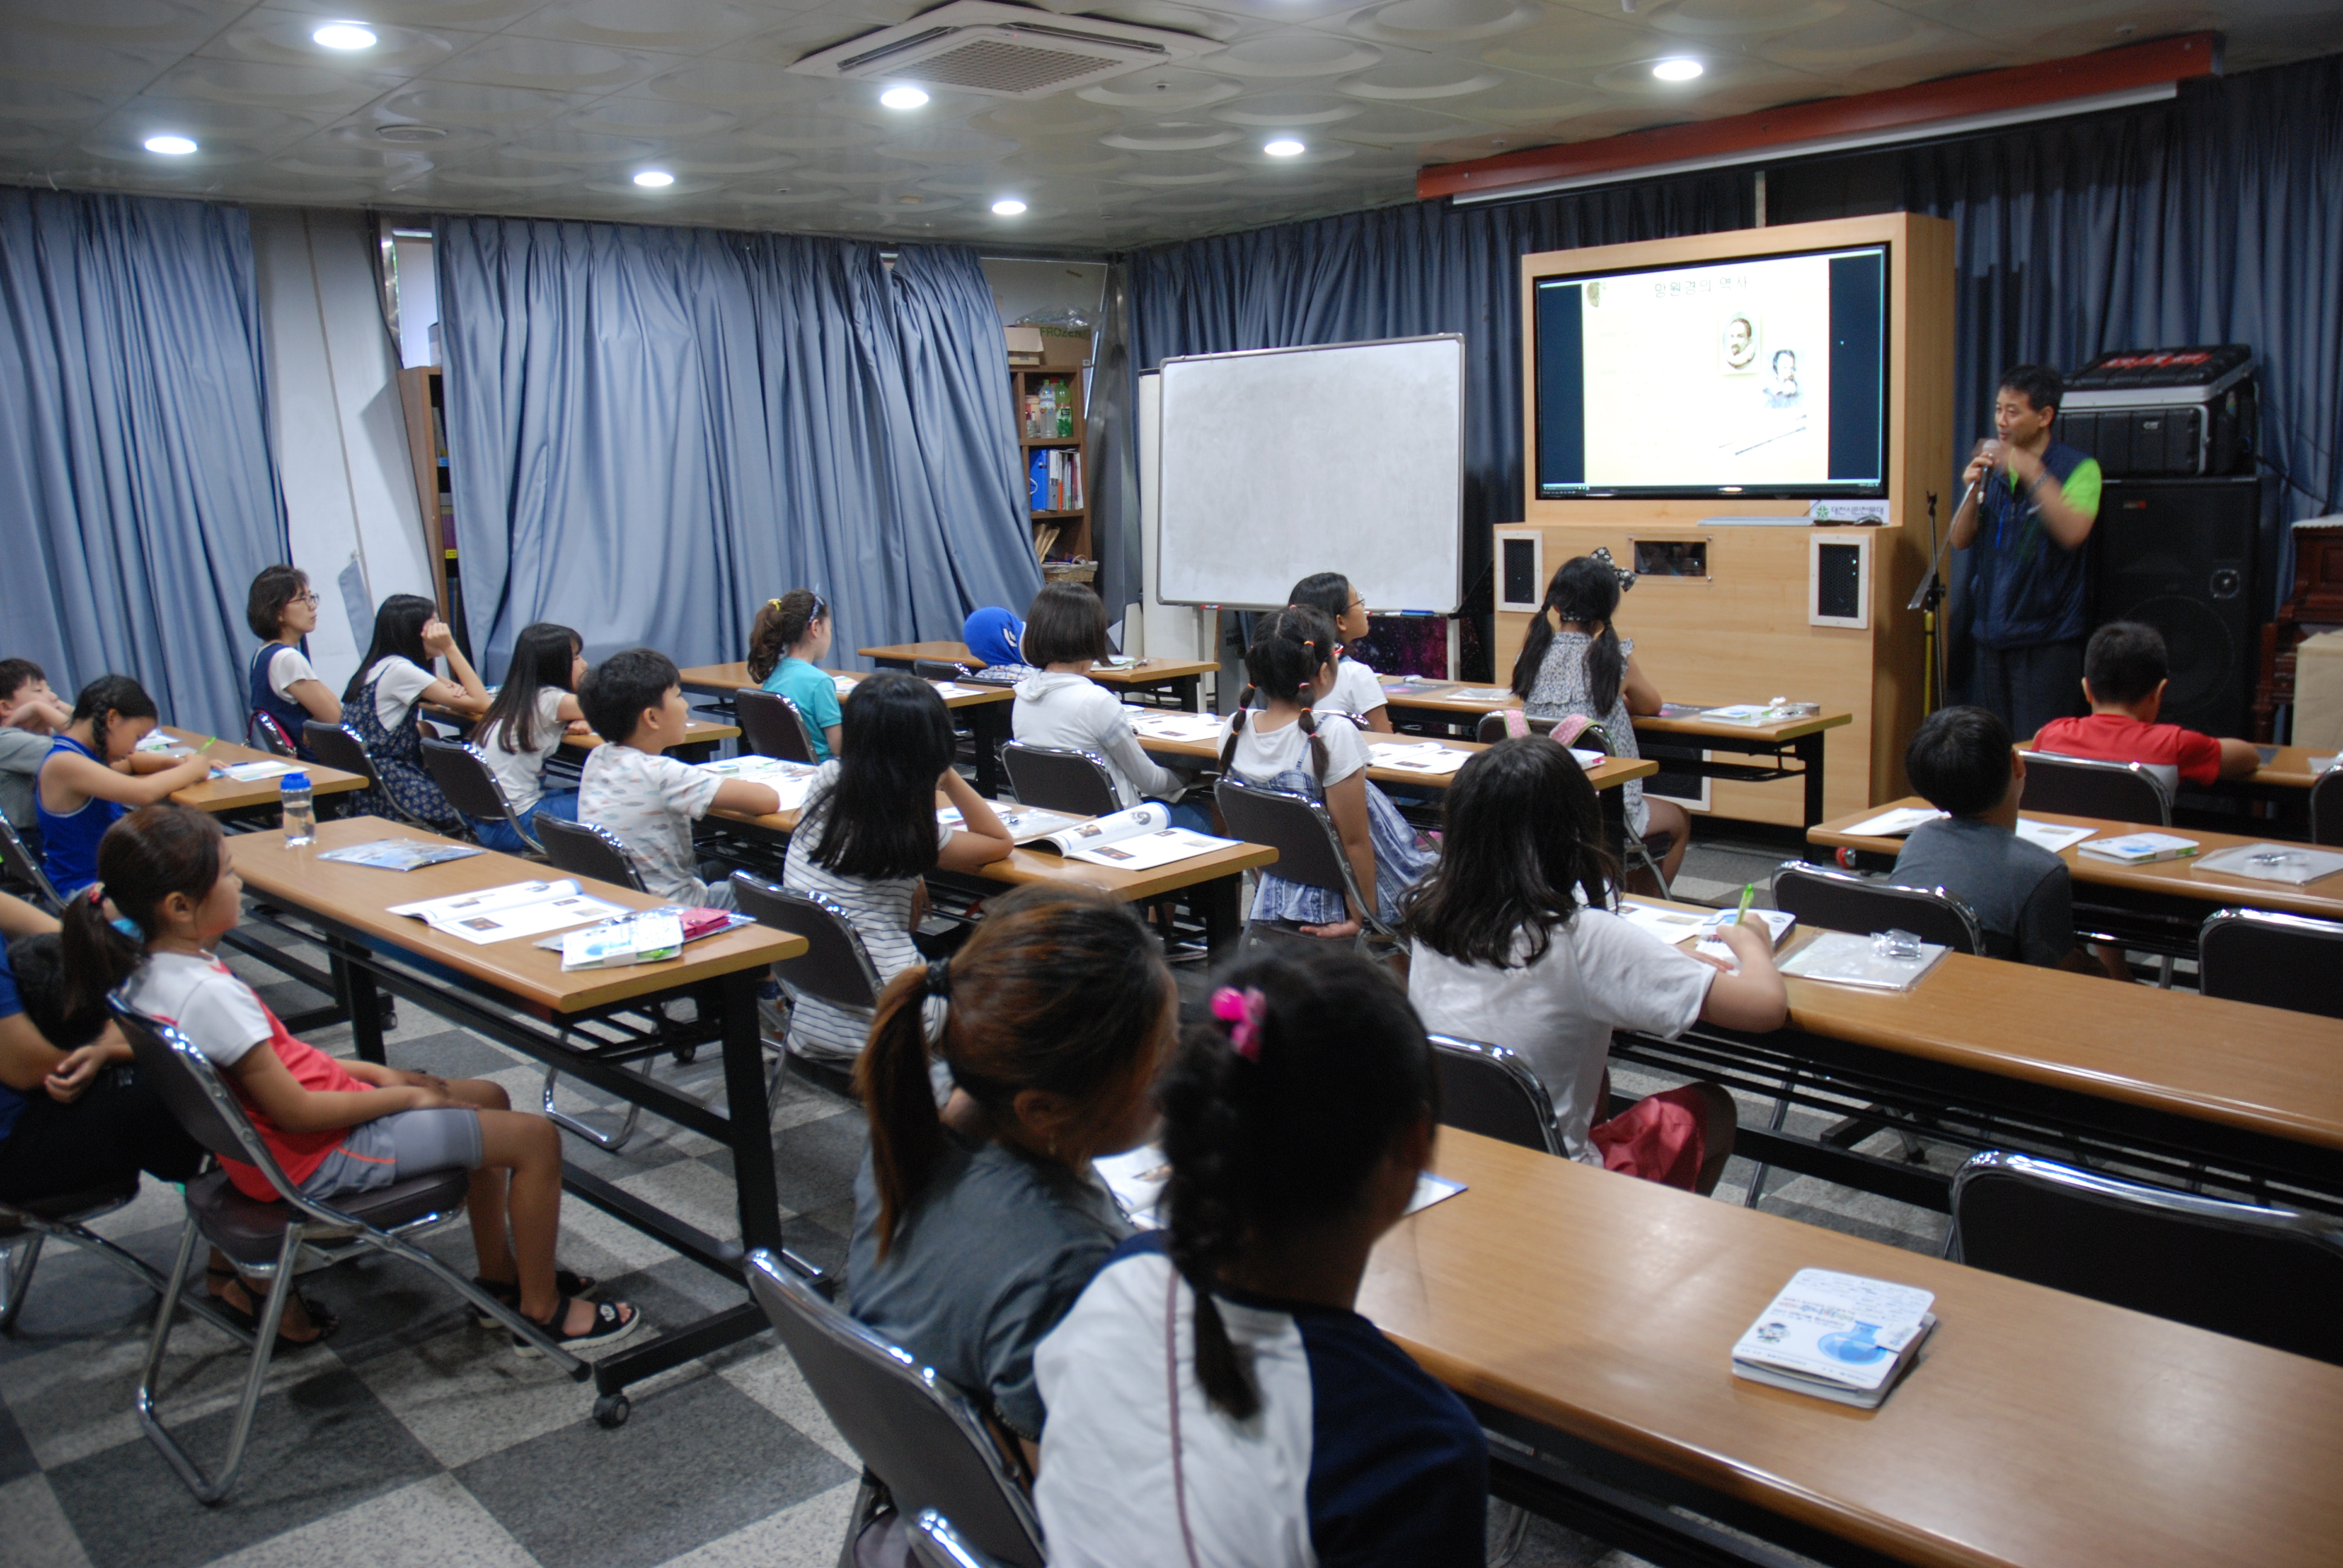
[[1282, 462]]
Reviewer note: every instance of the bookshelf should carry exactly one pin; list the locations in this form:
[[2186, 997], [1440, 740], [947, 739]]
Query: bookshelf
[[1061, 534], [422, 397]]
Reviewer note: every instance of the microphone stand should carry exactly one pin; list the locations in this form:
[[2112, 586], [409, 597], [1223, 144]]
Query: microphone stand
[[1928, 599]]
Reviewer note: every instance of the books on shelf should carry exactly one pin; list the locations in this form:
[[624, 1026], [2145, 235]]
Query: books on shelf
[[400, 854], [2140, 848], [515, 909], [1054, 479], [1138, 840], [1836, 1336], [2294, 864], [1841, 957]]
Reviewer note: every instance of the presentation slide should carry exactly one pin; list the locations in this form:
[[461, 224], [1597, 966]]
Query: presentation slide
[[1761, 375]]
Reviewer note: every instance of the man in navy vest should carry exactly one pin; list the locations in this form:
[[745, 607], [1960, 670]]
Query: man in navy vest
[[2027, 523]]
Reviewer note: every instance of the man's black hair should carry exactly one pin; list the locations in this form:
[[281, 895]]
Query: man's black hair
[[2041, 386]]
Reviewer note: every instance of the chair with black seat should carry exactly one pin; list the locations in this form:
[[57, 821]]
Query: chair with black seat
[[2269, 1275], [2273, 958], [1845, 901], [586, 850], [936, 1545], [265, 1240], [2091, 787], [923, 1443], [265, 732], [26, 1224], [835, 966], [23, 867], [1309, 852], [337, 746], [771, 726], [1061, 779], [2326, 808], [462, 772], [1491, 1091], [940, 669]]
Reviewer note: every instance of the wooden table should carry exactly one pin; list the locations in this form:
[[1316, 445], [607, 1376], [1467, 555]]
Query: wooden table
[[1677, 736], [1210, 884], [1181, 680], [1592, 1317], [698, 744], [227, 797], [516, 993], [1995, 1054], [985, 709], [2156, 907]]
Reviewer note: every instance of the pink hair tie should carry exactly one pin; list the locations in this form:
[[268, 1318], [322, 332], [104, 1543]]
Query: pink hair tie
[[1241, 1012]]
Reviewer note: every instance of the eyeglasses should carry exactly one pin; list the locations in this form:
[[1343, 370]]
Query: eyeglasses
[[308, 596]]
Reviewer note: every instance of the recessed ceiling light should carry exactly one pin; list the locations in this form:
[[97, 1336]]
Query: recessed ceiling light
[[1678, 70], [903, 97], [1008, 206], [405, 133], [1283, 147], [652, 179], [344, 36], [175, 146]]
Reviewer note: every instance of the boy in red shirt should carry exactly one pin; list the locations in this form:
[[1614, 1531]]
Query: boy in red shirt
[[2124, 675]]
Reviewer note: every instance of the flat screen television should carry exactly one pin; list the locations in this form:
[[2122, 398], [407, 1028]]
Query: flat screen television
[[1761, 377]]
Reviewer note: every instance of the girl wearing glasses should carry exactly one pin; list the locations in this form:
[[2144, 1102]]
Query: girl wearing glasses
[[281, 611]]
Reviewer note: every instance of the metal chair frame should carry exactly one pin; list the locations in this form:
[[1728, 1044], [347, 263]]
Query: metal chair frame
[[2224, 928], [161, 1051], [940, 669], [264, 731], [2327, 807], [771, 725], [449, 763], [936, 1545], [1296, 850], [792, 1303], [2084, 771], [24, 1228], [337, 746], [769, 903], [1936, 899], [25, 867], [1504, 1061]]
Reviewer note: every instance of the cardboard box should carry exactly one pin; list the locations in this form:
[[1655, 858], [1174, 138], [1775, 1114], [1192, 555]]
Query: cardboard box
[[1061, 353], [2318, 692], [1025, 346]]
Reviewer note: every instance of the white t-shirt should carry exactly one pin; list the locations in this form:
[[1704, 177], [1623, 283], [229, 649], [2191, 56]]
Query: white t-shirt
[[1599, 973], [401, 681], [520, 771], [219, 1014], [1261, 756], [650, 802], [1356, 693], [880, 913], [1076, 712], [287, 666]]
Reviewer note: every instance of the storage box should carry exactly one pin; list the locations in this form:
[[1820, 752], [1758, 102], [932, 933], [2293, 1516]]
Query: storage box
[[1059, 352], [2318, 692], [1025, 346]]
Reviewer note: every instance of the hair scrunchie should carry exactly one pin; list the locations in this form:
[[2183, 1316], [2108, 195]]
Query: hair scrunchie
[[940, 977]]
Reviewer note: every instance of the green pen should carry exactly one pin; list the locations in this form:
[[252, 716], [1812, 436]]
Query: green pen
[[1748, 897]]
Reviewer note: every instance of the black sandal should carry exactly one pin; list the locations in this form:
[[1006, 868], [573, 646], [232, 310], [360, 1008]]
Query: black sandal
[[509, 1291], [322, 1323], [609, 1327]]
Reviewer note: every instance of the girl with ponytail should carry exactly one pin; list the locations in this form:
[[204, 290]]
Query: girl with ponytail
[[1285, 747], [786, 648], [94, 772], [1574, 661], [1214, 1396], [976, 1225]]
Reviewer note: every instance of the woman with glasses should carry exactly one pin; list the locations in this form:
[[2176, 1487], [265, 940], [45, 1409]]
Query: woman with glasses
[[281, 611]]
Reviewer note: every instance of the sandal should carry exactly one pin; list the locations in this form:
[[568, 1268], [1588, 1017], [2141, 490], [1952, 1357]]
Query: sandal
[[509, 1291], [322, 1323], [608, 1327]]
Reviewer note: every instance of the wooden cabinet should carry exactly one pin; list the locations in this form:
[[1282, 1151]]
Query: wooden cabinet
[[422, 397], [1061, 533]]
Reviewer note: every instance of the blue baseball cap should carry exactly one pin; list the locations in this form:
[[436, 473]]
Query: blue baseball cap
[[995, 637]]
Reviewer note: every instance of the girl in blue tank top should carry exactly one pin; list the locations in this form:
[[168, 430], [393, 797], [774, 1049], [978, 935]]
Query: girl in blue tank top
[[83, 785], [282, 611]]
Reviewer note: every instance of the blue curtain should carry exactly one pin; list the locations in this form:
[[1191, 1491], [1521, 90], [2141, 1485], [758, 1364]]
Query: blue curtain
[[653, 430], [135, 464]]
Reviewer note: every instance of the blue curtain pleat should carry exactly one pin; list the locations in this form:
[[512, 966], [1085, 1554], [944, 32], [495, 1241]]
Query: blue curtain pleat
[[135, 462], [653, 430]]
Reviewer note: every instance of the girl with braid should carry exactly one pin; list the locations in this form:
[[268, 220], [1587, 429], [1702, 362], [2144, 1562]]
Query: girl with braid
[[976, 1226], [1291, 665], [1215, 1398]]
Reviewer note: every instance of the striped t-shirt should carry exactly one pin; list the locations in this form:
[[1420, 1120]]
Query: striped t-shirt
[[881, 910]]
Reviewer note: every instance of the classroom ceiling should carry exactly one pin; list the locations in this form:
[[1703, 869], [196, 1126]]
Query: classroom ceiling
[[526, 106]]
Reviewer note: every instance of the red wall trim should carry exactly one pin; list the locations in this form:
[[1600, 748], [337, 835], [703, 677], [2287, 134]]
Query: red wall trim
[[1953, 98]]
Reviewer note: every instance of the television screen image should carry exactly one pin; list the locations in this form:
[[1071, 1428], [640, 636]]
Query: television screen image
[[1766, 375]]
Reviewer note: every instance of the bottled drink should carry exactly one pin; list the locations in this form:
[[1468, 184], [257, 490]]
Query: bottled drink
[[300, 810], [1066, 412]]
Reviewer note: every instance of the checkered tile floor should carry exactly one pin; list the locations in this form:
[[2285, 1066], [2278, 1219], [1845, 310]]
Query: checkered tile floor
[[417, 1437]]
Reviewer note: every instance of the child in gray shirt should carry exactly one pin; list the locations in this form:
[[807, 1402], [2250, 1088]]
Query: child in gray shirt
[[2022, 895]]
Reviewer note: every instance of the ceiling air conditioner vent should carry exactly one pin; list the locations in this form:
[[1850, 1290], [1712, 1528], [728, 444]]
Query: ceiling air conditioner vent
[[1002, 51]]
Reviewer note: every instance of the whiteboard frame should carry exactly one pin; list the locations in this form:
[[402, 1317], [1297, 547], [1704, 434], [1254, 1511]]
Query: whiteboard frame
[[1456, 591]]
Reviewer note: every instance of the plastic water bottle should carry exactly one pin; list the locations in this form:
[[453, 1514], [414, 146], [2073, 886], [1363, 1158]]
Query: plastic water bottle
[[300, 810]]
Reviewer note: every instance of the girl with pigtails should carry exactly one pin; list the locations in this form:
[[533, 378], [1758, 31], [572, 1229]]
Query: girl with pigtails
[[1291, 665], [1214, 1397]]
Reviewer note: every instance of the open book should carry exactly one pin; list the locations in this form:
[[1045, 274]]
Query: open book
[[1025, 823], [515, 909], [1838, 1336], [400, 854], [1426, 757], [790, 780], [1137, 1179], [1138, 840], [1164, 724], [1899, 821]]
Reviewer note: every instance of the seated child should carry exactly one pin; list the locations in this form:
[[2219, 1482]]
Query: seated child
[[29, 714], [786, 648], [94, 772], [1059, 705], [869, 833], [1961, 760], [995, 640], [1515, 944], [524, 726], [1356, 695], [282, 611], [333, 1126], [1574, 662], [1283, 746], [2124, 675], [635, 702], [393, 679], [975, 1227], [1296, 1120]]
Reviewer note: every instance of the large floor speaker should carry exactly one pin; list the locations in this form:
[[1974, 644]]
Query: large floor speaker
[[2180, 554]]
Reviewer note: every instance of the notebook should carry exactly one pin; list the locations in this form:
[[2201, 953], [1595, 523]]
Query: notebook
[[2294, 864], [2140, 848], [1836, 1336], [1841, 957]]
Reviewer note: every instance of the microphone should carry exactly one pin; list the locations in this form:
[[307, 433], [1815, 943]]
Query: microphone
[[1930, 585]]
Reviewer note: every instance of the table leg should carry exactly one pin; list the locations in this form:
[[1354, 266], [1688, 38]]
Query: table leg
[[365, 1005], [1189, 691], [1216, 900], [987, 724], [747, 1114], [1614, 817], [1808, 750]]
